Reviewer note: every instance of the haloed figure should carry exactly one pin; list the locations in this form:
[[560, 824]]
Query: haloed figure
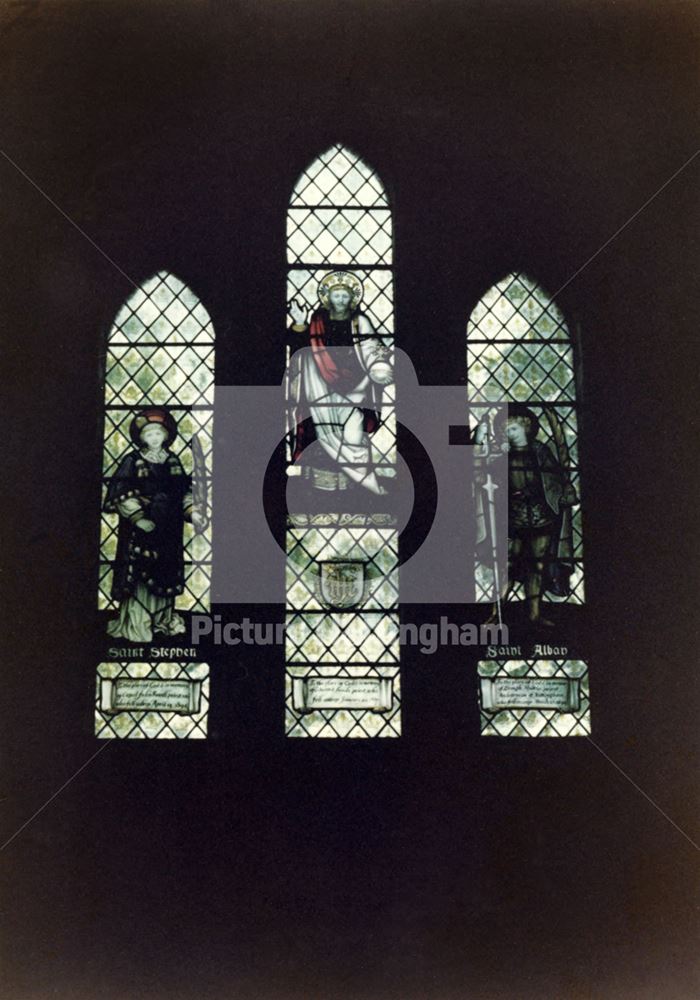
[[339, 380], [540, 497], [152, 495]]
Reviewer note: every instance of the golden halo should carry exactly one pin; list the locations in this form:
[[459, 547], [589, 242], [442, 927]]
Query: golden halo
[[344, 279]]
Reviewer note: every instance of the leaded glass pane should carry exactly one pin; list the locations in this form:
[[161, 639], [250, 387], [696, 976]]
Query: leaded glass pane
[[339, 178], [160, 352], [151, 700], [358, 647], [339, 215], [339, 236], [308, 548], [337, 637], [519, 350], [516, 309], [532, 698], [522, 372], [163, 310], [342, 663], [382, 683]]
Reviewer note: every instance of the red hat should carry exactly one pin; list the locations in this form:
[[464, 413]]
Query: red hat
[[153, 415]]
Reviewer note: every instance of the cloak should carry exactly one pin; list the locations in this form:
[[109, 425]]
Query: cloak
[[337, 355], [559, 561], [154, 558]]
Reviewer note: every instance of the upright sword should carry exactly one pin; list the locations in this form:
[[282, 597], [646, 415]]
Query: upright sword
[[490, 489]]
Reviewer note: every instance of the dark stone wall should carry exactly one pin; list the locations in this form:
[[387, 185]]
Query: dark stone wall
[[510, 136]]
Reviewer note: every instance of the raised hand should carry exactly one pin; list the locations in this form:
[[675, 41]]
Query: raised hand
[[297, 312]]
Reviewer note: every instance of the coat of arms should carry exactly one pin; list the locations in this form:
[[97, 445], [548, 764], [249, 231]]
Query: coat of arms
[[342, 584]]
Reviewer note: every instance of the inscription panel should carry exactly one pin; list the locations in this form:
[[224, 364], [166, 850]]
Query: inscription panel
[[547, 697], [371, 693], [155, 696], [557, 693], [146, 700]]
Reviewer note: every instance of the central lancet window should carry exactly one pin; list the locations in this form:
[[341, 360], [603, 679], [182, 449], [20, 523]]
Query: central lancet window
[[342, 645], [339, 220]]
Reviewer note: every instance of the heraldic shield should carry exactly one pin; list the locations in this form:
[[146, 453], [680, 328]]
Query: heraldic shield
[[342, 584]]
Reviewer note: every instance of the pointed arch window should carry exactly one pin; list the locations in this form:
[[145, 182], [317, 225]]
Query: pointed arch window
[[520, 350], [159, 362], [339, 219]]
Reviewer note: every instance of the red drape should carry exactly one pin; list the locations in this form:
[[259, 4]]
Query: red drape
[[332, 375]]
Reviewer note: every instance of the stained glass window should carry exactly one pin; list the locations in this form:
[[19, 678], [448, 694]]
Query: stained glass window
[[534, 698], [155, 552], [520, 350], [160, 353], [339, 218], [131, 701], [342, 640]]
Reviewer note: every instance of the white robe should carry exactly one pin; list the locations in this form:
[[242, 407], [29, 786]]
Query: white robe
[[337, 417]]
